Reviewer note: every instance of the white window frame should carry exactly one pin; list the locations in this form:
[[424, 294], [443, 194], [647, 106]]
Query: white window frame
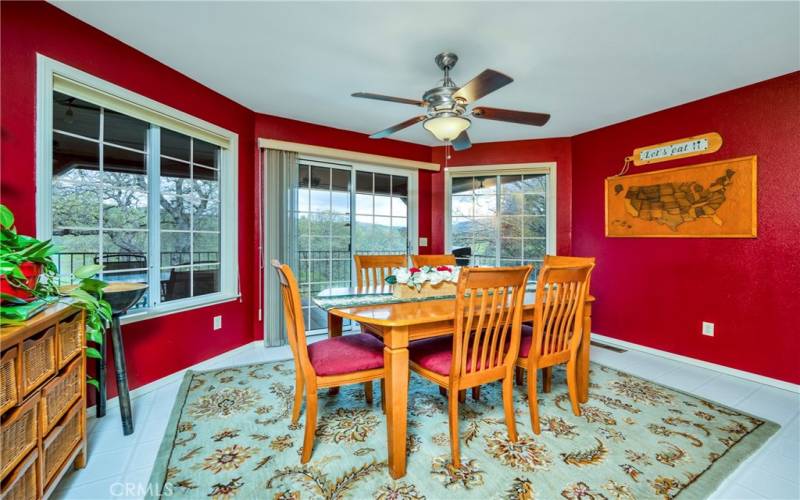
[[413, 192], [47, 70], [548, 168]]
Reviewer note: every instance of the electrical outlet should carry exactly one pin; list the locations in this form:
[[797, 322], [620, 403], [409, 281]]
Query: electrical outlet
[[708, 329], [423, 242], [217, 322]]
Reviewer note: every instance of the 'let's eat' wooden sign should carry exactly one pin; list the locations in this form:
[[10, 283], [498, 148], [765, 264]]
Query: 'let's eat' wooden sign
[[681, 148]]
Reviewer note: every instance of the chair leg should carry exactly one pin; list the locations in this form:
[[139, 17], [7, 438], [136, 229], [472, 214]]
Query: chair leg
[[508, 407], [476, 393], [442, 391], [452, 404], [368, 392], [520, 374], [572, 386], [311, 425], [547, 379], [383, 396], [298, 396], [533, 403], [462, 396]]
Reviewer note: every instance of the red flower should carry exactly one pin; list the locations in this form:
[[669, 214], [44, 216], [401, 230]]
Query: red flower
[[414, 270], [444, 268]]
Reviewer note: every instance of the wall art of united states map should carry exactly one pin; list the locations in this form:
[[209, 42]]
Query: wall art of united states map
[[710, 200]]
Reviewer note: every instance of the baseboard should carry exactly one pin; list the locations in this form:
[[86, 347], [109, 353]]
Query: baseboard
[[761, 379], [177, 376]]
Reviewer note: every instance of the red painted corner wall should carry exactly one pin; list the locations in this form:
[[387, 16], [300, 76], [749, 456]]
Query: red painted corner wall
[[160, 346], [656, 292], [556, 150]]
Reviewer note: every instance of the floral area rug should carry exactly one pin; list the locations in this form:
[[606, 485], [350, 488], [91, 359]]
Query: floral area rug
[[230, 437]]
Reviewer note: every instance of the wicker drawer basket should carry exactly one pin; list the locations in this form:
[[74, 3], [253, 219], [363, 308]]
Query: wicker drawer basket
[[59, 394], [38, 360], [19, 435], [69, 340], [60, 443], [9, 381], [21, 485]]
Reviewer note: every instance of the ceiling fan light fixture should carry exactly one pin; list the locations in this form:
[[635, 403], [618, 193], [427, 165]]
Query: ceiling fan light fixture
[[446, 128]]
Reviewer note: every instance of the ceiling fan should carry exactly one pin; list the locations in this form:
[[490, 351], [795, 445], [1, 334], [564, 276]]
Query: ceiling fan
[[446, 116]]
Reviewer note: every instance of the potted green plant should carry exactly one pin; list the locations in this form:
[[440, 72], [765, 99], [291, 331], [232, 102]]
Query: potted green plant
[[28, 273]]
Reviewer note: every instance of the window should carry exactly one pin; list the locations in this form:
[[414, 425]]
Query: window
[[149, 203], [505, 216]]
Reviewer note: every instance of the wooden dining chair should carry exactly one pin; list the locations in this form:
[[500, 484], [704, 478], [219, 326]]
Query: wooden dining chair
[[484, 345], [372, 270], [433, 260], [557, 329], [554, 260], [332, 362]]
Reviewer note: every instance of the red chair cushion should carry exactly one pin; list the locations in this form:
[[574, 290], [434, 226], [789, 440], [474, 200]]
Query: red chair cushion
[[346, 354], [432, 354], [436, 354], [525, 341]]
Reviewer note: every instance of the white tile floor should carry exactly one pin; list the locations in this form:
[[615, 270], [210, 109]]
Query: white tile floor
[[117, 462]]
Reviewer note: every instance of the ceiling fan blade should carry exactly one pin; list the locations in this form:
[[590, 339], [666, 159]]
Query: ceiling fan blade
[[379, 97], [483, 84], [400, 126], [462, 142], [509, 115]]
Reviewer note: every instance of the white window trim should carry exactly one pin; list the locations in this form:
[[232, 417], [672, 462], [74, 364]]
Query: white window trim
[[548, 168], [46, 69]]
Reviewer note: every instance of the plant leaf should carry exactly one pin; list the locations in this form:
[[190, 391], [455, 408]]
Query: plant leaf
[[6, 217], [87, 271], [91, 352], [93, 382], [92, 285], [10, 298]]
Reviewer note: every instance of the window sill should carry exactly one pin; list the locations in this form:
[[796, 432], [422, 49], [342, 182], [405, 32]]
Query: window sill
[[168, 309]]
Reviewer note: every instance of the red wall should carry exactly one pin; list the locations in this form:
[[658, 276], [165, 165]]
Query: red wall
[[493, 153], [656, 292], [157, 347]]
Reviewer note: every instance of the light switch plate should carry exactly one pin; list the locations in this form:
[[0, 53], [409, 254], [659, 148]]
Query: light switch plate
[[423, 242], [708, 329], [217, 322]]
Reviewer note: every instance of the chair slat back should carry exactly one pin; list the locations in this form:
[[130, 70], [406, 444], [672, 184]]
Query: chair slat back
[[558, 317], [433, 260], [488, 318], [293, 315], [372, 270]]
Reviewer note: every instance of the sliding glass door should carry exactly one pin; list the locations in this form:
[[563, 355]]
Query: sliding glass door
[[346, 209]]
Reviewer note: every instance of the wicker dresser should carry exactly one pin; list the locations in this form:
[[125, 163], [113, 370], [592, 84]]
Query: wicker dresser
[[42, 402]]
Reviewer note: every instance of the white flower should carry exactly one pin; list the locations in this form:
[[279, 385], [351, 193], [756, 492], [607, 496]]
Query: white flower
[[401, 274]]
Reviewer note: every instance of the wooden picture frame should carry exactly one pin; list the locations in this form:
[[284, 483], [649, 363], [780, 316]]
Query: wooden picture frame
[[708, 200]]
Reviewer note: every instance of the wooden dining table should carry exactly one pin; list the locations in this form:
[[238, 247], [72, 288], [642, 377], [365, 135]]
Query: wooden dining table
[[399, 323]]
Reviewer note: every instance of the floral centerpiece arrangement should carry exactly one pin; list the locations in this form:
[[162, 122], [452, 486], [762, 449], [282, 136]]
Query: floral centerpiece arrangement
[[425, 281]]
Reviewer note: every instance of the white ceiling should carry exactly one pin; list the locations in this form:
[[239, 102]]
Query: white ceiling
[[588, 64]]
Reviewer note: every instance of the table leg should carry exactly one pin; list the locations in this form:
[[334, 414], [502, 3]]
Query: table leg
[[395, 359], [583, 355], [100, 371], [122, 377], [334, 330]]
